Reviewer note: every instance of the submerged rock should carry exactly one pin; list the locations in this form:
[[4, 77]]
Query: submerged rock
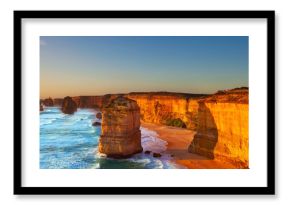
[[99, 115], [68, 106], [96, 124], [156, 155], [147, 152], [121, 135]]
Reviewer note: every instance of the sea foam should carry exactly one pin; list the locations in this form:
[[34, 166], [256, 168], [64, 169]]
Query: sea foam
[[151, 142]]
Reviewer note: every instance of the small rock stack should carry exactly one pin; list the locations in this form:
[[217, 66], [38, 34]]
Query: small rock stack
[[68, 106], [48, 102], [121, 135]]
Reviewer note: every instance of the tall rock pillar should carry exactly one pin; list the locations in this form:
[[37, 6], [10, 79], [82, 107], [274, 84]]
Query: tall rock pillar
[[121, 135]]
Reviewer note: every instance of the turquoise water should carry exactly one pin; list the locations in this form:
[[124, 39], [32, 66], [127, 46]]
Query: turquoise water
[[71, 142]]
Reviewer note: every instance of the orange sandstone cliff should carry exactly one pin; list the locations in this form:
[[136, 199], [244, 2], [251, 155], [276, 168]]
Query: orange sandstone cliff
[[222, 131], [221, 121], [172, 109]]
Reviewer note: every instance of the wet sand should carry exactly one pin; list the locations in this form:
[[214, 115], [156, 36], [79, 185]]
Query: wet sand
[[178, 140]]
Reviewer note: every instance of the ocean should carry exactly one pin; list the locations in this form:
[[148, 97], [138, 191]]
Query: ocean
[[71, 142]]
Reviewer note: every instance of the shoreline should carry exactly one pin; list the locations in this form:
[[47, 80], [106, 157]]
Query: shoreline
[[178, 140]]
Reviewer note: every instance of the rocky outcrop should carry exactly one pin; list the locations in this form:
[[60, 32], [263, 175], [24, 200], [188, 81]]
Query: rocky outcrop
[[172, 109], [222, 131], [121, 136], [48, 102], [68, 106]]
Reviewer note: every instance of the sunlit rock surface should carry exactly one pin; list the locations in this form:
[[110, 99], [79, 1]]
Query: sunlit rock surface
[[164, 108], [121, 136], [173, 109], [223, 127]]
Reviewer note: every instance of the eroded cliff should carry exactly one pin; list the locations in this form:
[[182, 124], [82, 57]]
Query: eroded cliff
[[97, 102], [57, 101], [48, 102], [168, 108], [222, 131], [173, 109]]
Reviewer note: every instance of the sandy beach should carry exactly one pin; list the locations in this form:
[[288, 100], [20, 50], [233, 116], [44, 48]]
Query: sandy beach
[[178, 140]]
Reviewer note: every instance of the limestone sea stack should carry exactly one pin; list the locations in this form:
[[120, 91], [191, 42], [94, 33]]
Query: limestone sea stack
[[48, 102], [68, 106], [121, 135]]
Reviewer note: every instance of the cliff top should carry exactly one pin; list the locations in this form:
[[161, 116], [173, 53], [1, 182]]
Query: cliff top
[[236, 95], [167, 94], [122, 103]]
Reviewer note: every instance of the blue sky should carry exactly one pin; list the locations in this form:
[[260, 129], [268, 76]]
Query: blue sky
[[96, 65]]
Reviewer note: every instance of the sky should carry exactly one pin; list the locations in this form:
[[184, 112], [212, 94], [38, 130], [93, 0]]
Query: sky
[[98, 65]]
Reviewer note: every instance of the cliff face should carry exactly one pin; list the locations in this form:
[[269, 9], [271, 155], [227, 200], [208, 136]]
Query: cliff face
[[88, 101], [222, 131], [121, 135], [94, 101], [48, 102], [172, 109], [57, 101], [167, 109]]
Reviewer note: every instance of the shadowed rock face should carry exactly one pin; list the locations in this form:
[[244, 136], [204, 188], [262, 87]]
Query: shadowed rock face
[[205, 139], [121, 136], [40, 105], [68, 106], [88, 101]]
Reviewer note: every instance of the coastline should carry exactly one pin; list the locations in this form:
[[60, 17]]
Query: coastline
[[178, 140]]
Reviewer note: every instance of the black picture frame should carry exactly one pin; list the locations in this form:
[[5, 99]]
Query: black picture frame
[[269, 189]]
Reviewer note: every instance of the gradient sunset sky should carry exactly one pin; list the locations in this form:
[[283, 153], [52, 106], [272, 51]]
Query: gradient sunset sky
[[96, 65]]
